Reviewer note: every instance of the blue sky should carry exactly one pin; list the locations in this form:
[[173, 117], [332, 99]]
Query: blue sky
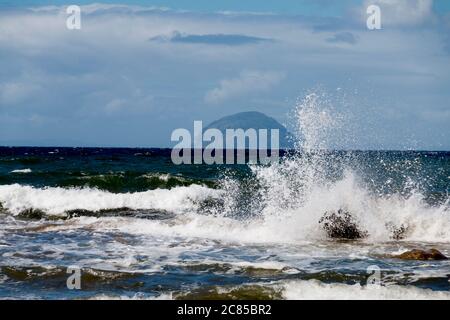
[[139, 69]]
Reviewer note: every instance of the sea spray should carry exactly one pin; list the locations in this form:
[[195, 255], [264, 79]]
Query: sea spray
[[294, 195]]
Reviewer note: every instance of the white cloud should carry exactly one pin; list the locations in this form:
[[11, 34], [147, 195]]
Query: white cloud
[[249, 81]]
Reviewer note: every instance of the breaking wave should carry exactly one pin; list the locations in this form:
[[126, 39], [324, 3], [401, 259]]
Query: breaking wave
[[283, 202], [53, 201], [279, 211]]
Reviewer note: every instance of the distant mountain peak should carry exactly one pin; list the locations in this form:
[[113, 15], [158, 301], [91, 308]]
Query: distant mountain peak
[[252, 120]]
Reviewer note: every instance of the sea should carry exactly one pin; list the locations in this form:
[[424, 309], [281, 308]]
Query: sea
[[136, 226]]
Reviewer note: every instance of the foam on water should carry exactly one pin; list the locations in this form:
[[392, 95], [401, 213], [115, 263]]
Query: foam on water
[[58, 200], [28, 170], [316, 290], [287, 215], [301, 189], [275, 224], [372, 212]]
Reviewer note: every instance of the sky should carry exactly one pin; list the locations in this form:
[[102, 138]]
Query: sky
[[137, 70]]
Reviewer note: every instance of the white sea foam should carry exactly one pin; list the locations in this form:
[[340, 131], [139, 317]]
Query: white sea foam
[[316, 290], [291, 224], [372, 212], [22, 171], [161, 176], [58, 200], [137, 296]]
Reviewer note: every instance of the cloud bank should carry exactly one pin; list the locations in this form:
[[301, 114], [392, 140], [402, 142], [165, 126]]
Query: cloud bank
[[249, 81], [107, 84]]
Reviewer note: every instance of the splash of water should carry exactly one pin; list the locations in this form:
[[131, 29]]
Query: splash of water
[[294, 195]]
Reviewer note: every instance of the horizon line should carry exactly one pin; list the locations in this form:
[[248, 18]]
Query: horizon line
[[281, 149]]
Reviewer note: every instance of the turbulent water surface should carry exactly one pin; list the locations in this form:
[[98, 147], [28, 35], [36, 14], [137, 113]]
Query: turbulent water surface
[[139, 226]]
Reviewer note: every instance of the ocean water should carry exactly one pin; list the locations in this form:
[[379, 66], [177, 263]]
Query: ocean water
[[140, 227]]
